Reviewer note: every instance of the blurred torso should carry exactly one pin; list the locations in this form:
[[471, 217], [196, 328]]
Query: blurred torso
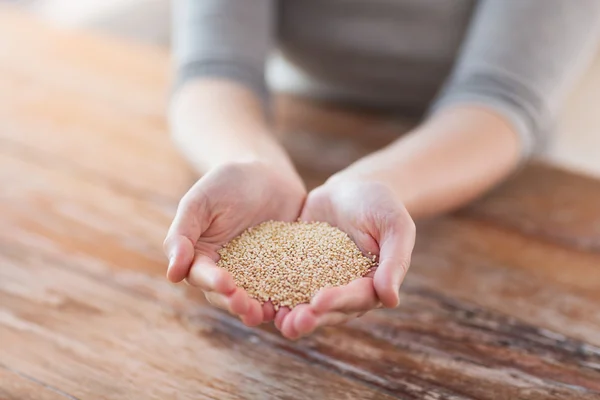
[[385, 53]]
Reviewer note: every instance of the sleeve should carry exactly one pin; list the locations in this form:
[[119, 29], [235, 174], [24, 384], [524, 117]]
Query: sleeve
[[228, 39], [520, 58]]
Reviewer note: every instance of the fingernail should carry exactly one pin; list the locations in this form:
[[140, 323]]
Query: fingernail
[[171, 259], [170, 266]]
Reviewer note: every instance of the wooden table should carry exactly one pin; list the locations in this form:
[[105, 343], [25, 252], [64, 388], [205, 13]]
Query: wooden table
[[502, 301]]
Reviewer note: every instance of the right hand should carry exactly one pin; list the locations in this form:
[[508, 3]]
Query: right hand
[[220, 206]]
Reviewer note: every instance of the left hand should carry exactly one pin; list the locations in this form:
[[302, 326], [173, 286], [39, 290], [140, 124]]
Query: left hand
[[378, 223]]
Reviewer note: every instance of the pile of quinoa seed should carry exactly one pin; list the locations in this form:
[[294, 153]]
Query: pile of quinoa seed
[[287, 263]]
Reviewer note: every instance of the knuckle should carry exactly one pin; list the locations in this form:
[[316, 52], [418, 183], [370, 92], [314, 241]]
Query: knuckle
[[193, 199], [187, 201]]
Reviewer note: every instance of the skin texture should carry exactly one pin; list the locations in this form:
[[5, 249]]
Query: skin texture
[[209, 216], [450, 159]]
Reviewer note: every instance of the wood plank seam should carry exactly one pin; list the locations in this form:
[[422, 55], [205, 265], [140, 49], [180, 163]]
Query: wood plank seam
[[317, 357], [586, 355], [294, 350], [511, 333], [298, 351], [481, 309], [38, 382], [111, 282]]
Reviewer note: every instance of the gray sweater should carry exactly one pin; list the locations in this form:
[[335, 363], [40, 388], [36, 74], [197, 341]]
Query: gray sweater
[[518, 57]]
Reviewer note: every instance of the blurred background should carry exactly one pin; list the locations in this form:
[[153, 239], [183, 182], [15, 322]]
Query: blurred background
[[576, 147]]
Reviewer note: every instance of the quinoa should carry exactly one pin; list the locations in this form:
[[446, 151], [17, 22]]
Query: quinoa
[[287, 263]]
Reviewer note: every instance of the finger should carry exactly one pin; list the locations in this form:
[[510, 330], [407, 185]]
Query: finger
[[183, 234], [180, 251], [394, 260], [207, 276], [305, 320], [237, 303], [217, 300], [280, 316], [287, 327], [254, 316], [357, 296], [268, 312], [317, 207], [334, 318]]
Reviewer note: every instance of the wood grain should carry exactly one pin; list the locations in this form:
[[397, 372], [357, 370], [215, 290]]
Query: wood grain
[[147, 280], [437, 346], [95, 340], [501, 301], [547, 203], [15, 386]]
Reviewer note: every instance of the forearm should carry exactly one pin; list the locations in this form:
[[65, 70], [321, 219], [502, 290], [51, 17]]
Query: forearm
[[216, 122], [455, 156], [462, 151], [217, 113]]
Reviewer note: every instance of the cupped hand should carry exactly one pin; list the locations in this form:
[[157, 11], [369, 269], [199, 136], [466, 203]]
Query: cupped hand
[[372, 216], [221, 205]]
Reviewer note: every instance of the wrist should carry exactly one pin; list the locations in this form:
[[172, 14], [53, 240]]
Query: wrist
[[374, 179], [216, 122], [218, 102], [444, 163], [207, 148], [288, 178]]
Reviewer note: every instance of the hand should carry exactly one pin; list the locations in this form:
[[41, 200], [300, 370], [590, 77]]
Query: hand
[[221, 205], [378, 223]]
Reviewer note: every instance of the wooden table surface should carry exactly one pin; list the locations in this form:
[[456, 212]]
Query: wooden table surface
[[502, 301]]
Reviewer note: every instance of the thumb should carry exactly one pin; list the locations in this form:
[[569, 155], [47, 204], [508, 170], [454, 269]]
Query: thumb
[[185, 230], [395, 253]]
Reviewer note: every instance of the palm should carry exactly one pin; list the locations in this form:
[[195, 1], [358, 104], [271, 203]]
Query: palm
[[354, 209], [239, 197], [378, 224], [218, 208]]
